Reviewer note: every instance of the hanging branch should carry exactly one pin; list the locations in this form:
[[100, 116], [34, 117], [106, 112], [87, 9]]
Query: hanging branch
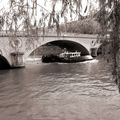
[[109, 18], [116, 42]]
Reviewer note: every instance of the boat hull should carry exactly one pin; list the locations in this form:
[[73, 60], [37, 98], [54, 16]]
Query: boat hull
[[53, 58]]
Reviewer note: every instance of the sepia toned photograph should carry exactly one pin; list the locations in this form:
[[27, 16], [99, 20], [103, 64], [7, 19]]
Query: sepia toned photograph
[[59, 59]]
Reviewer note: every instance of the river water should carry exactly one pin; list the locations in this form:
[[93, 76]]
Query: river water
[[77, 91]]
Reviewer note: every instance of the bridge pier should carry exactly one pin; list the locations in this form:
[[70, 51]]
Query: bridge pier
[[94, 52], [17, 60]]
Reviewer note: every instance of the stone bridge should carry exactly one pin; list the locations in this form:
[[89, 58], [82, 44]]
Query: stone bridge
[[16, 49]]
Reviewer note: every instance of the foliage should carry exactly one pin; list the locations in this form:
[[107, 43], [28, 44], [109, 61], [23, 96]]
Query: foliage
[[84, 26], [109, 19], [47, 50], [21, 14]]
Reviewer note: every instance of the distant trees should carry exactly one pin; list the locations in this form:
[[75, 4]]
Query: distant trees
[[84, 26], [47, 50]]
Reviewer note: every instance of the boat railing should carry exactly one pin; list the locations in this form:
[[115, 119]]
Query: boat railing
[[70, 54]]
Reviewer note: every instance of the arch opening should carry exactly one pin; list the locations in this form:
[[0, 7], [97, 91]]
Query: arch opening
[[58, 45], [100, 50], [4, 64]]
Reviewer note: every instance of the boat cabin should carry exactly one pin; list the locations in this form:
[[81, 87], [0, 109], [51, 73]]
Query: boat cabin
[[70, 54]]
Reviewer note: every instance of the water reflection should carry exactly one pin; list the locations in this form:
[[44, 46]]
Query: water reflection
[[77, 91]]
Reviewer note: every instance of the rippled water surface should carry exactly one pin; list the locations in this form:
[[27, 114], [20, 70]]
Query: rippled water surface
[[77, 91]]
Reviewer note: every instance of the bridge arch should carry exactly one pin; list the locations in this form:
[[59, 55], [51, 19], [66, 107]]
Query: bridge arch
[[4, 64], [68, 44]]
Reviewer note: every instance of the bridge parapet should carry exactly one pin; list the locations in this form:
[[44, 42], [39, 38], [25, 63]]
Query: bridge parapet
[[39, 33]]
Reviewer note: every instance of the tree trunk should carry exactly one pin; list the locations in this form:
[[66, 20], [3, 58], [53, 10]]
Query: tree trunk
[[115, 44]]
